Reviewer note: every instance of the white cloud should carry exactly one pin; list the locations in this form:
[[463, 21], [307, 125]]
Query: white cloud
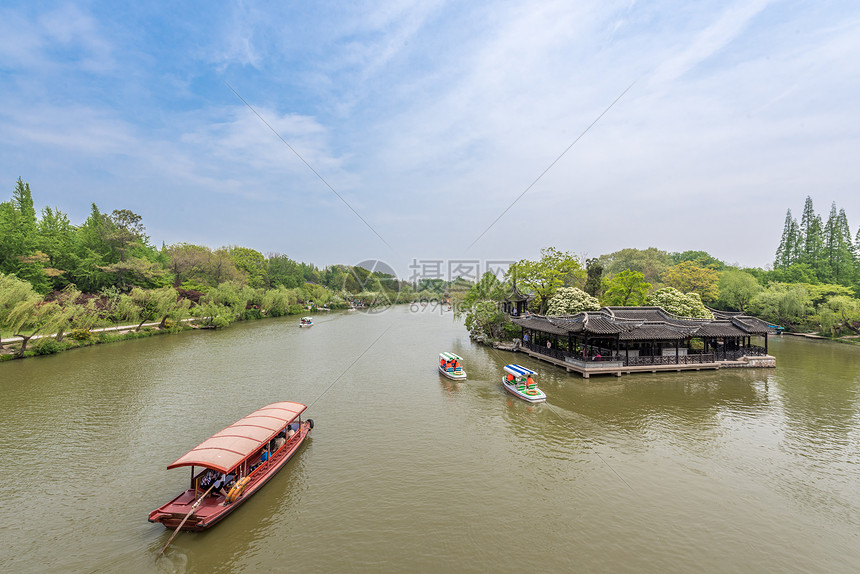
[[430, 119]]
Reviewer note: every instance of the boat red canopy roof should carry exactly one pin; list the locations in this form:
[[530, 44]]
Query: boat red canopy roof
[[226, 449]]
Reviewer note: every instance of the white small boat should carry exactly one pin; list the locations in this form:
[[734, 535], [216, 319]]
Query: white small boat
[[519, 381], [306, 322], [451, 366]]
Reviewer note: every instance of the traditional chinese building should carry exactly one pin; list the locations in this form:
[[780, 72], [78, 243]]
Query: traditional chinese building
[[517, 303], [620, 340]]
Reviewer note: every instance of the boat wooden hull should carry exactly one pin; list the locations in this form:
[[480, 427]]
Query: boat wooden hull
[[212, 509], [539, 397], [453, 376]]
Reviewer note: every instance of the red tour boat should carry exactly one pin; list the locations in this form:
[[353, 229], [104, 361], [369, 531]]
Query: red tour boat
[[238, 460]]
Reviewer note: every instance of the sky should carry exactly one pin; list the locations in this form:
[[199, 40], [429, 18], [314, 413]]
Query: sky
[[338, 132]]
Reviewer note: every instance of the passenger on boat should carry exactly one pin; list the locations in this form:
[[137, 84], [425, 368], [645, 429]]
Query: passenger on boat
[[265, 456], [530, 382], [290, 432], [209, 478], [510, 378], [222, 484], [278, 442]]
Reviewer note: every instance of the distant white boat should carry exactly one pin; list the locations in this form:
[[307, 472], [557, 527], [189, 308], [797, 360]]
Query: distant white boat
[[306, 322], [451, 366]]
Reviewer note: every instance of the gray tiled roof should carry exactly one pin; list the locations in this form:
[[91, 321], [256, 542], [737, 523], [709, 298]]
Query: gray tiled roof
[[643, 323]]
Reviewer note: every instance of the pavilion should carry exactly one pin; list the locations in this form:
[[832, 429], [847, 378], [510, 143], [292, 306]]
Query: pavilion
[[619, 340]]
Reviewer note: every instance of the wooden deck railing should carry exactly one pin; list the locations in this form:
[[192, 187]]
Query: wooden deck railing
[[689, 359]]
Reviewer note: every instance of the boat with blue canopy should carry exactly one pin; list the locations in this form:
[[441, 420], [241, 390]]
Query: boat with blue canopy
[[519, 381], [451, 366]]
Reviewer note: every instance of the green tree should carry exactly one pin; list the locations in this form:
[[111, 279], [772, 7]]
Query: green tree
[[838, 248], [737, 289], [56, 239], [651, 263], [34, 316], [782, 304], [123, 232], [594, 277], [92, 253], [788, 251], [156, 303], [819, 293], [570, 300], [67, 299], [189, 263], [17, 228], [487, 288], [33, 268], [553, 270], [12, 292], [278, 301], [486, 319], [700, 258], [319, 295], [222, 269], [232, 296], [627, 288], [251, 263], [688, 277], [845, 311], [811, 238], [794, 273], [214, 315]]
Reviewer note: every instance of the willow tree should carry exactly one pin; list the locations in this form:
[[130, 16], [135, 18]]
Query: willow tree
[[33, 317], [12, 292], [154, 303], [737, 288]]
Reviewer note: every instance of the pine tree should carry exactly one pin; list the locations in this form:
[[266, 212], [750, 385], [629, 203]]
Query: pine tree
[[811, 237], [788, 250], [846, 254], [17, 228], [827, 264]]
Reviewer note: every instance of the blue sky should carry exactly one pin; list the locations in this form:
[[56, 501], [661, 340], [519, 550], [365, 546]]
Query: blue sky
[[431, 118]]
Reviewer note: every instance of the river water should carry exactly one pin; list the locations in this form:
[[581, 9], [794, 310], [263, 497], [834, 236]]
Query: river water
[[717, 471]]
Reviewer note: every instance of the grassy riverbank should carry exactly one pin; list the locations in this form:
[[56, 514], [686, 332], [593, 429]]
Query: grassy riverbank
[[50, 345]]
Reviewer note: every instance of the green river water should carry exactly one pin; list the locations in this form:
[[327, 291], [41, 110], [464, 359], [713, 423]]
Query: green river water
[[715, 471]]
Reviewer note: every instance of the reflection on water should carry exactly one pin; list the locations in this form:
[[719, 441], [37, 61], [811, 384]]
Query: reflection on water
[[408, 471]]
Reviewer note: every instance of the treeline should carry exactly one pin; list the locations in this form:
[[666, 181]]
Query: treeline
[[56, 277], [113, 250], [813, 287]]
